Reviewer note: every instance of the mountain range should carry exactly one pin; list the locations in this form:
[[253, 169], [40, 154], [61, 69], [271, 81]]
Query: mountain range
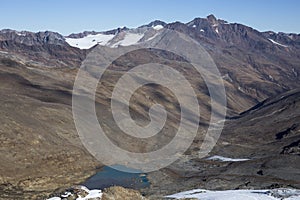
[[40, 148]]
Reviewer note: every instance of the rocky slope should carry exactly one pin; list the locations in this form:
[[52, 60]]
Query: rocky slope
[[37, 136], [258, 149]]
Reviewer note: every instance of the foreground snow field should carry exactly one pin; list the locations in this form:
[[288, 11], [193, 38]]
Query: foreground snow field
[[82, 193], [275, 194]]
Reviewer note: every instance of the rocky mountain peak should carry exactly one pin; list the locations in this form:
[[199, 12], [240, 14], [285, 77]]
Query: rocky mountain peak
[[212, 19], [155, 23], [50, 37], [30, 38], [82, 34]]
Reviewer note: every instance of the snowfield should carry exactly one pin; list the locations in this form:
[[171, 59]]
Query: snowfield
[[276, 194], [89, 41]]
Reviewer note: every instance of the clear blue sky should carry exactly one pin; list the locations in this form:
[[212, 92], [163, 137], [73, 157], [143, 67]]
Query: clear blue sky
[[67, 16]]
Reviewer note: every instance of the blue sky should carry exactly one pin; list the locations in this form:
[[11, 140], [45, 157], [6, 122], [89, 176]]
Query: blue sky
[[67, 16]]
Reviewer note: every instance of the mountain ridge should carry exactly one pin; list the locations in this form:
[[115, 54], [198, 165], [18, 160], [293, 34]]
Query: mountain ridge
[[245, 57]]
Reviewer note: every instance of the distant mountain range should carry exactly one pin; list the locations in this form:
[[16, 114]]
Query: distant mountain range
[[40, 148], [255, 65]]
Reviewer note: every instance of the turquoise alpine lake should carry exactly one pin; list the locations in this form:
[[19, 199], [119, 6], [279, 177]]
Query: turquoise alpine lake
[[115, 175]]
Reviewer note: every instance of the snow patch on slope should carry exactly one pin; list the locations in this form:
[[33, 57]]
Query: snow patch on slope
[[157, 27], [274, 42], [154, 36], [54, 198], [89, 41], [129, 39], [225, 159], [92, 194], [21, 34]]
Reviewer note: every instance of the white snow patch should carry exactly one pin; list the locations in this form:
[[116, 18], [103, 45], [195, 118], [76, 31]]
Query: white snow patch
[[157, 27], [281, 194], [21, 34], [92, 194], [241, 89], [274, 42], [225, 159], [129, 39], [217, 30], [89, 41], [194, 26], [202, 30], [154, 36], [67, 194], [4, 52]]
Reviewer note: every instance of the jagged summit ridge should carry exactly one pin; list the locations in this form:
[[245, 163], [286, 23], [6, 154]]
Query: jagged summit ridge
[[209, 28]]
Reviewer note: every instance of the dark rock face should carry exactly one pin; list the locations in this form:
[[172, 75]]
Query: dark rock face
[[86, 33], [83, 34], [31, 39], [47, 48]]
